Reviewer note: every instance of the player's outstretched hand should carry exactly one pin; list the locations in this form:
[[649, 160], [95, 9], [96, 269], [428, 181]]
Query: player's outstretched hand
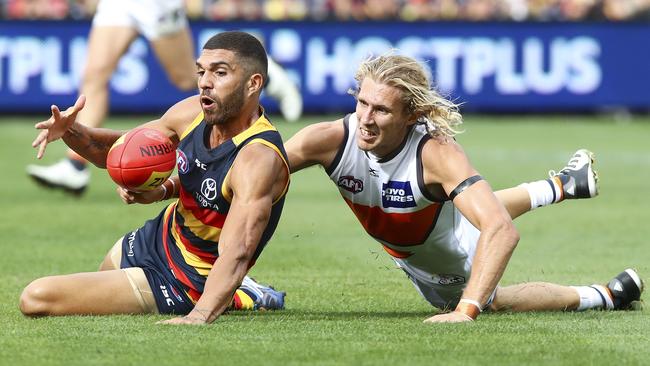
[[453, 317], [130, 197], [57, 125], [184, 320]]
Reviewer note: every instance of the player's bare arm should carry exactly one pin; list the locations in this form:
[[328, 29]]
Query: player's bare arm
[[315, 144], [94, 143], [447, 164], [258, 177], [177, 118]]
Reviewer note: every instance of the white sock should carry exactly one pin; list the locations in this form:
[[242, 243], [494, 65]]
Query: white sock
[[542, 192], [593, 297]]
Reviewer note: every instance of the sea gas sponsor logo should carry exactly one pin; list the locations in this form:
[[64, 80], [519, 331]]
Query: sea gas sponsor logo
[[351, 184], [397, 194]]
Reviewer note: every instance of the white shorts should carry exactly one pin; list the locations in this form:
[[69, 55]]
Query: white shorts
[[444, 290], [152, 18]]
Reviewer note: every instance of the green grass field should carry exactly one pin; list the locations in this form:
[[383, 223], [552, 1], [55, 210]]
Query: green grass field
[[346, 302]]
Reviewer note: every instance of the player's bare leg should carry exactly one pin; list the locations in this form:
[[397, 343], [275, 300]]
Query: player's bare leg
[[113, 257], [90, 293], [619, 294], [249, 296], [535, 296], [106, 45], [516, 200], [175, 53], [575, 181]]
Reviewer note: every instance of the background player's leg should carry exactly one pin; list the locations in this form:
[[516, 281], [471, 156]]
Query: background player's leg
[[281, 88], [106, 45], [175, 53], [96, 293]]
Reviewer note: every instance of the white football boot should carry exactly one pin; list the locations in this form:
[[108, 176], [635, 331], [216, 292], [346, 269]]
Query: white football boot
[[285, 91], [61, 175]]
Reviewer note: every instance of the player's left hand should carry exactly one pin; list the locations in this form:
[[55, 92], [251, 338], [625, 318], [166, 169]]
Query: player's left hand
[[453, 317], [130, 197], [184, 320]]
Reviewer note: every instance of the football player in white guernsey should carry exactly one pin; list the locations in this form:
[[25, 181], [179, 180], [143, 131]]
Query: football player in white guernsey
[[412, 187]]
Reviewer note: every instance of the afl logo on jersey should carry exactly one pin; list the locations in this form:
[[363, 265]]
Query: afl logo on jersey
[[182, 163], [351, 184], [209, 189]]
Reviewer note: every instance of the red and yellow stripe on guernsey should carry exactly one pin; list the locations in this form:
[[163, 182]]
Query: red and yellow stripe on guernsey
[[178, 272], [205, 224], [403, 229]]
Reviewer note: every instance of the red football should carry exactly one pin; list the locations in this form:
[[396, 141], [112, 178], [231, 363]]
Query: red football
[[141, 160]]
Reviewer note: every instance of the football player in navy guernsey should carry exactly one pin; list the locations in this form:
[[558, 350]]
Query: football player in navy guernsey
[[410, 184], [192, 259]]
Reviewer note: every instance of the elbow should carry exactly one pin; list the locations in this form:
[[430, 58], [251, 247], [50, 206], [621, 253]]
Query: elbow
[[507, 233]]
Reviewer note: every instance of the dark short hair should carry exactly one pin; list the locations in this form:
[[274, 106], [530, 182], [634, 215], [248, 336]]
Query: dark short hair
[[245, 46]]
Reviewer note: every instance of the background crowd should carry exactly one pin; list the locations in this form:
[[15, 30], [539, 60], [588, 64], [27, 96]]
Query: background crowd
[[361, 10]]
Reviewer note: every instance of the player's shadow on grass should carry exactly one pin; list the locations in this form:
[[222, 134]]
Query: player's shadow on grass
[[299, 314]]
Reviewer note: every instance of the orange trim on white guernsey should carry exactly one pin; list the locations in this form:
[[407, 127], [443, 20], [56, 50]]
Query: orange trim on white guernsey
[[397, 228]]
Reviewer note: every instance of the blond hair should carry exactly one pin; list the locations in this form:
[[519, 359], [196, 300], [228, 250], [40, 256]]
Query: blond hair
[[440, 115]]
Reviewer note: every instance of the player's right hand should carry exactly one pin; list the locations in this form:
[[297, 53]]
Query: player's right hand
[[130, 197], [57, 125]]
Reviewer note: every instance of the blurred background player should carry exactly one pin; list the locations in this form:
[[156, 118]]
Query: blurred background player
[[116, 25]]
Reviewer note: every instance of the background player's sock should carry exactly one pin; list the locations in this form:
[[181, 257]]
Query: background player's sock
[[77, 161]]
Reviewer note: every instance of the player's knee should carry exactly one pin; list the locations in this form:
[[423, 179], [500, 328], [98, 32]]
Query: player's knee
[[98, 75], [37, 298]]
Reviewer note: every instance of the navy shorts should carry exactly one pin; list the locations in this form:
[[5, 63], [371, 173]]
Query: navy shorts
[[144, 248]]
